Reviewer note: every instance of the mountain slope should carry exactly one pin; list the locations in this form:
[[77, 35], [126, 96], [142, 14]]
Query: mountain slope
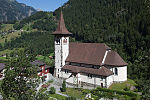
[[11, 10], [124, 25], [34, 36]]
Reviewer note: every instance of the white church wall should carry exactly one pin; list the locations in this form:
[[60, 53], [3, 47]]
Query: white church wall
[[109, 80], [65, 49], [61, 53], [122, 74], [65, 74], [94, 80]]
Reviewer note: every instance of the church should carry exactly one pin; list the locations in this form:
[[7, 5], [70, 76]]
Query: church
[[86, 64]]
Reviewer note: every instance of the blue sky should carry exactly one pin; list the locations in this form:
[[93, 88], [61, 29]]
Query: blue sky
[[45, 5]]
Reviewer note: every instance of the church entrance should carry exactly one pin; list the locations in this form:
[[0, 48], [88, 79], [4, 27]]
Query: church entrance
[[102, 85]]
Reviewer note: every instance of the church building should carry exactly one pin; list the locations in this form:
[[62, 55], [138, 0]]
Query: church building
[[86, 64]]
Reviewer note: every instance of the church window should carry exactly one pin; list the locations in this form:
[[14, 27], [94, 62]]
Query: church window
[[116, 71], [57, 40], [102, 78], [90, 75], [66, 71]]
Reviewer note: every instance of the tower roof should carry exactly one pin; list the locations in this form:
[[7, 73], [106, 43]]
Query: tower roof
[[61, 29]]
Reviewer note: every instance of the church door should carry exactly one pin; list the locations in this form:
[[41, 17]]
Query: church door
[[102, 85]]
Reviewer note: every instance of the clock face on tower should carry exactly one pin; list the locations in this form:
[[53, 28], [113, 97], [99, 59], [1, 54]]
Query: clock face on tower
[[65, 40]]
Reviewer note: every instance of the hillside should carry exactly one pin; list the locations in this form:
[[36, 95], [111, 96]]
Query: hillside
[[28, 32], [124, 25], [11, 10], [40, 21]]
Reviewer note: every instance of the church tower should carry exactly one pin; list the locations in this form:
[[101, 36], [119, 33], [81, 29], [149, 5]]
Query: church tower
[[61, 43]]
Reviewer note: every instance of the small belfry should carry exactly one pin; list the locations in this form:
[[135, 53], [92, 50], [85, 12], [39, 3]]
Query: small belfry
[[61, 45]]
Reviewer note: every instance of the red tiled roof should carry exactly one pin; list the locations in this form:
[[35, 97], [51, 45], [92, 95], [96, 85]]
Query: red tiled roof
[[103, 71], [113, 59], [87, 53], [61, 29]]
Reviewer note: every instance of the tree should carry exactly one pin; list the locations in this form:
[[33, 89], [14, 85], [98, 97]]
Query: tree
[[52, 90], [63, 89], [21, 80]]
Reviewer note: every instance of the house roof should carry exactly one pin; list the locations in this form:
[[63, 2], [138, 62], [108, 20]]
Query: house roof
[[37, 63], [113, 59], [87, 53], [39, 68], [103, 71], [61, 29], [2, 66]]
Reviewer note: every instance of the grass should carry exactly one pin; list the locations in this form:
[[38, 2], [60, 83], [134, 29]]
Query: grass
[[3, 58], [7, 51], [74, 93], [6, 27], [58, 97], [9, 36], [122, 86]]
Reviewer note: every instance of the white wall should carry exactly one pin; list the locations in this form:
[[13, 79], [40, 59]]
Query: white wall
[[122, 74], [109, 80], [95, 80], [62, 48]]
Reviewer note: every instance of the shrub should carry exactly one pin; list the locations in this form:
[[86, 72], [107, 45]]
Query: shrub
[[70, 98], [127, 89], [85, 91], [101, 92], [63, 89], [52, 90]]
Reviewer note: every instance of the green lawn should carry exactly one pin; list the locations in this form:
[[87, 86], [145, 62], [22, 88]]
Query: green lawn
[[9, 36], [74, 93], [58, 97], [122, 86], [7, 51]]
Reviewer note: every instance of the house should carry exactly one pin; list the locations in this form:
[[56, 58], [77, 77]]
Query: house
[[2, 66], [43, 69], [86, 64]]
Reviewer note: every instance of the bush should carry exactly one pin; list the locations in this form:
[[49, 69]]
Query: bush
[[52, 90], [85, 91], [127, 89], [63, 89], [111, 93], [70, 98]]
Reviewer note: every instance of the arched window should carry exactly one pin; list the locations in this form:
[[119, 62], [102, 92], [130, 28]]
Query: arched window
[[116, 71]]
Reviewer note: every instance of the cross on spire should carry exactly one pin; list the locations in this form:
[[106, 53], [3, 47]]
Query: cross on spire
[[61, 29]]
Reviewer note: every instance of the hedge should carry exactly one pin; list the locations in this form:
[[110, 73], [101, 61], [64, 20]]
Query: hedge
[[113, 92]]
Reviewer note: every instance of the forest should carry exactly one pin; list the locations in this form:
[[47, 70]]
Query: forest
[[124, 25]]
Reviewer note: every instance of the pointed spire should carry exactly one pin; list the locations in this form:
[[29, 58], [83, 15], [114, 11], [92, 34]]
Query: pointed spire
[[61, 29]]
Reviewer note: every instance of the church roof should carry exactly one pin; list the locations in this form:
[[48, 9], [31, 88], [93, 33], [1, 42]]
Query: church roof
[[103, 71], [113, 59], [93, 54], [87, 53], [61, 29]]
